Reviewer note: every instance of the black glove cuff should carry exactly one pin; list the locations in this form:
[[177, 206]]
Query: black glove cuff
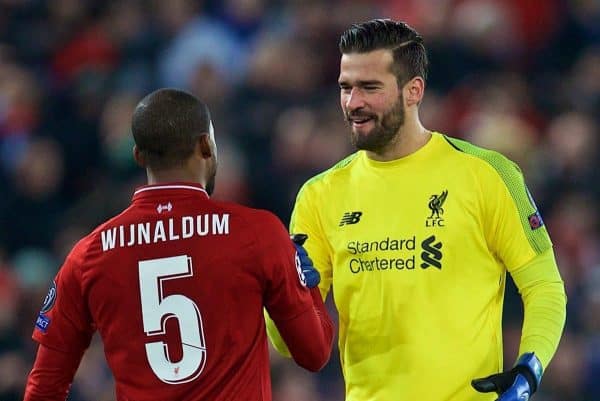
[[526, 372]]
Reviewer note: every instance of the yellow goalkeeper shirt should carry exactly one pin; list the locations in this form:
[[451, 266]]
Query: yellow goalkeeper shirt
[[417, 251]]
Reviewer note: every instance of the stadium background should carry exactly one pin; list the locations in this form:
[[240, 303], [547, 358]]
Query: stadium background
[[519, 76]]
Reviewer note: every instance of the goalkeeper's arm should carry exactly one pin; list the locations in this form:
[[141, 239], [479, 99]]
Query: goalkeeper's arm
[[544, 300]]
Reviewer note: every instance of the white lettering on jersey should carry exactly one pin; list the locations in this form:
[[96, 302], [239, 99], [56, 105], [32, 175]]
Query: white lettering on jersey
[[220, 226], [202, 228], [187, 227], [108, 239], [131, 235], [159, 232], [172, 235], [143, 231], [171, 229]]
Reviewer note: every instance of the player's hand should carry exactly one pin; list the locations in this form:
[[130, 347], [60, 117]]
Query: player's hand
[[308, 274], [517, 384]]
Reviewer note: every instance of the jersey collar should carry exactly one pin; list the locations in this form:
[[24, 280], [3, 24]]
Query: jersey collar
[[421, 155], [170, 188]]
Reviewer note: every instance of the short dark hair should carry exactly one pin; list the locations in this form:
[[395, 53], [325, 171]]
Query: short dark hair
[[408, 50], [166, 125]]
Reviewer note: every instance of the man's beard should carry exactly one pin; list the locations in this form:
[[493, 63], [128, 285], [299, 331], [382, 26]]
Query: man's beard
[[384, 132]]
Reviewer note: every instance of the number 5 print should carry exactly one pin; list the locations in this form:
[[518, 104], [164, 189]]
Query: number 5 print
[[157, 309]]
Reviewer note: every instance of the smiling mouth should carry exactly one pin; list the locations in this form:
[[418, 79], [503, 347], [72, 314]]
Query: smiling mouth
[[359, 121]]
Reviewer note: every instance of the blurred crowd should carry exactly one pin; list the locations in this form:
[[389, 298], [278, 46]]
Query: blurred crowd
[[521, 77]]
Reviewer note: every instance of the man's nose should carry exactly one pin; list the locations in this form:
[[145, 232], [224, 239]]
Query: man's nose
[[355, 99]]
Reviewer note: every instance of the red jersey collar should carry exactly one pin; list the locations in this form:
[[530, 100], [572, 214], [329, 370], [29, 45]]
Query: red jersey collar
[[169, 188]]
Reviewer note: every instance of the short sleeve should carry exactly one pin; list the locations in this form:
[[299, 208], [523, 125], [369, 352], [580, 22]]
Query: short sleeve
[[64, 322]]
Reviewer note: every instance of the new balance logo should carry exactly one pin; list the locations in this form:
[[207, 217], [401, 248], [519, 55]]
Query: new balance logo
[[350, 218]]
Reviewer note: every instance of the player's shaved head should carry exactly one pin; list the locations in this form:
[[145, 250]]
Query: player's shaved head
[[166, 125], [406, 45]]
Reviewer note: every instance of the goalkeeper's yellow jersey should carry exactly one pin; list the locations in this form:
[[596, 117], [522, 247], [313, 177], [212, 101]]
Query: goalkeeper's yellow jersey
[[417, 251]]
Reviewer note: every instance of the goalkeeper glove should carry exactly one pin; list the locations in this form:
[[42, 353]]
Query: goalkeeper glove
[[517, 384], [309, 276]]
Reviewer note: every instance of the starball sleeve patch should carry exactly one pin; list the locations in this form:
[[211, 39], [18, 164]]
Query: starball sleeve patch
[[42, 322]]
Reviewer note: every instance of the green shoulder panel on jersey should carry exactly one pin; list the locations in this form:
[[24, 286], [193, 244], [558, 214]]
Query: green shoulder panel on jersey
[[341, 164], [513, 179]]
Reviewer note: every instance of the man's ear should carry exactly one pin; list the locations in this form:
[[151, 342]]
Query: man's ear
[[414, 91], [203, 146], [139, 156]]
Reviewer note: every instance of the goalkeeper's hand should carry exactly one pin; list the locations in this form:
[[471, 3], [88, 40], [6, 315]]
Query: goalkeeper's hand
[[517, 384], [308, 274]]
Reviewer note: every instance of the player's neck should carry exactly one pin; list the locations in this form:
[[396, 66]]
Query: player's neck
[[411, 137], [173, 175]]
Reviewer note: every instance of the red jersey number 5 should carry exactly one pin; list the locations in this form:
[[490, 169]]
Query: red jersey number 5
[[157, 309]]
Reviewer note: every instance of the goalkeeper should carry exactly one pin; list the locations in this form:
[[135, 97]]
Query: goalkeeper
[[445, 222]]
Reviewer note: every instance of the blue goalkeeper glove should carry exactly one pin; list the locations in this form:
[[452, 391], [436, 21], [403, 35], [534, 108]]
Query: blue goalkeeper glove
[[308, 274], [517, 384]]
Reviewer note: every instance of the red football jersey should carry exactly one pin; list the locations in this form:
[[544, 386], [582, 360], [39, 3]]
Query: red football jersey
[[176, 286]]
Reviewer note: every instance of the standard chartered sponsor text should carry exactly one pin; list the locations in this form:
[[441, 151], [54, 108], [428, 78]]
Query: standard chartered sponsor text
[[361, 263]]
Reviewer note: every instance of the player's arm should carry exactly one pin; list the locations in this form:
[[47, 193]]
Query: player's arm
[[544, 300], [296, 309], [52, 374], [305, 219], [518, 236], [64, 330], [309, 336], [295, 332], [544, 304]]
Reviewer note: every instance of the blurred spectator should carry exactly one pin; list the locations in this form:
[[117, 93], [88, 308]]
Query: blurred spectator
[[568, 159], [19, 110], [584, 85], [115, 131], [31, 212], [193, 47], [242, 17]]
